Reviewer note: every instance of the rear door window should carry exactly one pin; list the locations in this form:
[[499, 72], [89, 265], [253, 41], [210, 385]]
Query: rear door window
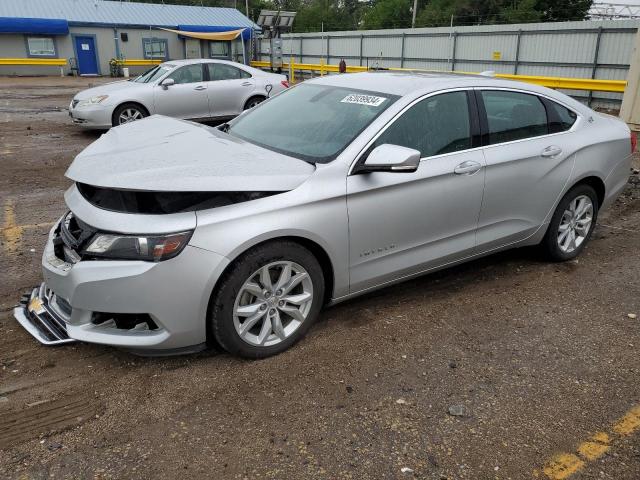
[[513, 115], [221, 71]]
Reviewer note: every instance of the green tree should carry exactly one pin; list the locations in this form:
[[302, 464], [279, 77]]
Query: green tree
[[315, 15], [521, 12], [472, 12], [563, 10], [388, 14], [377, 14]]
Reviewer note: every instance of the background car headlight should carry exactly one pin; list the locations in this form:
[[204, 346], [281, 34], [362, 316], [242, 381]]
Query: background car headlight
[[93, 100], [153, 248]]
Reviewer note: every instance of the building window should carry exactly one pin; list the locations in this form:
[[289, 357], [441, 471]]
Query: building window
[[41, 47], [155, 48], [218, 49]]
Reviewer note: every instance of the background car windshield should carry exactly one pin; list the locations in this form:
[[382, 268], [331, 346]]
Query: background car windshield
[[311, 122], [153, 74]]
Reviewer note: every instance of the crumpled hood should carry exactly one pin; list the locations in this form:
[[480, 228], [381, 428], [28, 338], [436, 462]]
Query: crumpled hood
[[164, 154], [107, 89]]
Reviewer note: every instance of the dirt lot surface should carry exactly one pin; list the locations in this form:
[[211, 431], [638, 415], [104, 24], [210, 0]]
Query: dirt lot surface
[[504, 368]]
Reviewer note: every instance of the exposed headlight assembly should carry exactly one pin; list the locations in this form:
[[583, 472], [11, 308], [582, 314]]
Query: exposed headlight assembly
[[93, 100], [153, 248]]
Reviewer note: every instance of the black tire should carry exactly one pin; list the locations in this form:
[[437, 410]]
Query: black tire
[[253, 101], [134, 107], [549, 244], [220, 323]]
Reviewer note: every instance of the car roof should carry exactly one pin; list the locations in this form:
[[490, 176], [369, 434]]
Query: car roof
[[253, 71], [417, 83], [191, 61]]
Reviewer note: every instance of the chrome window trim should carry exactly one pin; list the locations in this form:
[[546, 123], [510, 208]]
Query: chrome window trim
[[579, 116], [575, 125]]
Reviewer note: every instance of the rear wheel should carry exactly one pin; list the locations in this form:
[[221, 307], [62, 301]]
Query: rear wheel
[[128, 112], [572, 224], [252, 102], [267, 301]]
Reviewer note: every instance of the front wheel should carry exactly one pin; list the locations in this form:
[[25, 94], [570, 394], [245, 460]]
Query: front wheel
[[267, 300], [129, 112], [572, 224]]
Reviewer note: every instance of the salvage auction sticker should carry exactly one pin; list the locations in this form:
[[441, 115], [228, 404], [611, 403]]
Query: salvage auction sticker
[[370, 100]]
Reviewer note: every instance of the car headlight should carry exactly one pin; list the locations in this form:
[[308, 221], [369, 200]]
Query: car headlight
[[152, 248], [93, 100]]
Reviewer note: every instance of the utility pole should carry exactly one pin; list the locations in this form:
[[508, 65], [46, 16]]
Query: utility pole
[[415, 9], [246, 4]]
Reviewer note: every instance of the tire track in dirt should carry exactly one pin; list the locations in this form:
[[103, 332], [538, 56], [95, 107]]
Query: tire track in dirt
[[46, 418]]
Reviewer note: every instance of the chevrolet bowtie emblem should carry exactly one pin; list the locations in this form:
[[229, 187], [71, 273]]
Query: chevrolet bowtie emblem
[[35, 305]]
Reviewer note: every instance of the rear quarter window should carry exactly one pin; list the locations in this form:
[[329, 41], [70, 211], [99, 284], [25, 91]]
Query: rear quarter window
[[561, 118]]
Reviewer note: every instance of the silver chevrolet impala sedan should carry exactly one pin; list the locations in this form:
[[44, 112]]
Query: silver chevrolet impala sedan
[[190, 89], [180, 235]]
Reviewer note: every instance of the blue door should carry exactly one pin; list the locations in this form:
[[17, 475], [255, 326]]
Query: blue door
[[86, 53]]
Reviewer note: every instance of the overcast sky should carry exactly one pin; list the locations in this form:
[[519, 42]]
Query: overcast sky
[[619, 2]]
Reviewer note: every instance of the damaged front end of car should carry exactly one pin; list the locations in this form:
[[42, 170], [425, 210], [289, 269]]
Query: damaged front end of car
[[118, 267]]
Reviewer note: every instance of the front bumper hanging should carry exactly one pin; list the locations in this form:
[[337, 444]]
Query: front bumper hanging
[[42, 314]]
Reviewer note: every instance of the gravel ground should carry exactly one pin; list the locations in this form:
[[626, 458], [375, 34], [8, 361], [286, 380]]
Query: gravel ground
[[534, 357]]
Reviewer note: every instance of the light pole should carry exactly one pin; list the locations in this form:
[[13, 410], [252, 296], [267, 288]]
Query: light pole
[[415, 9]]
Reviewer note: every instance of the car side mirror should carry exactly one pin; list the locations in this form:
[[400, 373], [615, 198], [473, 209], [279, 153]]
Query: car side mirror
[[167, 82], [391, 158]]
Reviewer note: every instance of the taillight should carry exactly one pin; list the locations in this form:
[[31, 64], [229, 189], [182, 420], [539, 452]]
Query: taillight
[[634, 142], [284, 83]]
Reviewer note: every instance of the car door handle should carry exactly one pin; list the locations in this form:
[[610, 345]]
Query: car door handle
[[467, 168], [551, 151], [247, 84], [200, 87]]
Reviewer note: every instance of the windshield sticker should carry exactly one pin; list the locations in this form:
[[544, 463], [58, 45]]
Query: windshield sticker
[[370, 100]]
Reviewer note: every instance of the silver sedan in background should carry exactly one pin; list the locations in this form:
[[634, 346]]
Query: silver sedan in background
[[179, 235], [189, 89]]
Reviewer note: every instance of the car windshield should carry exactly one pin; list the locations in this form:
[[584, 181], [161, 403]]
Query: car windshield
[[311, 122], [154, 74]]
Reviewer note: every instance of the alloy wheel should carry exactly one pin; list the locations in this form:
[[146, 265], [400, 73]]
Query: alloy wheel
[[272, 303], [252, 103], [129, 115], [575, 224]]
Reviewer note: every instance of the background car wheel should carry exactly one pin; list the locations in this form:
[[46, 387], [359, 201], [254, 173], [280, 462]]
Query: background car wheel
[[252, 102], [267, 300], [572, 224], [128, 112]]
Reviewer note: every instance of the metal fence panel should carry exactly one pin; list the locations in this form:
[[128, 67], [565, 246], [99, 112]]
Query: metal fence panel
[[345, 47], [374, 47], [428, 47], [502, 46], [616, 47], [314, 46], [426, 65], [483, 67], [560, 48], [588, 49]]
